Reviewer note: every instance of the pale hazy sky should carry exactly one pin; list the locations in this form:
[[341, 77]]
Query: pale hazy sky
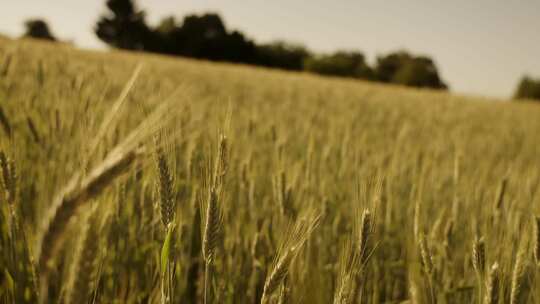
[[481, 47]]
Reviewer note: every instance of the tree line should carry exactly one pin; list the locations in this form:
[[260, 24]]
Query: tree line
[[205, 36]]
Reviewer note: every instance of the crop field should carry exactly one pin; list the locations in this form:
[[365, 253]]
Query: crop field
[[136, 178]]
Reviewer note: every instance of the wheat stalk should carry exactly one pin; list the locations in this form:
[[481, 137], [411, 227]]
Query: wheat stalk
[[349, 268], [517, 276], [536, 240], [213, 218], [479, 263], [8, 177], [425, 253], [5, 122], [493, 285], [74, 196], [500, 195], [165, 187], [221, 164], [416, 220], [294, 240], [479, 257], [366, 228], [211, 226], [73, 294], [33, 130], [427, 264]]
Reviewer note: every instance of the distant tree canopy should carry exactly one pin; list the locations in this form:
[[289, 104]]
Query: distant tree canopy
[[124, 27], [281, 54], [206, 37], [406, 69], [203, 37], [345, 64], [37, 28], [528, 88]]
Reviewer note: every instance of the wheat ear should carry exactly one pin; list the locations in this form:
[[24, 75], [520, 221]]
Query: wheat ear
[[289, 249], [493, 285]]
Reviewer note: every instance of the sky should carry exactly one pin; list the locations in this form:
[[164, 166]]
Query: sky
[[481, 47]]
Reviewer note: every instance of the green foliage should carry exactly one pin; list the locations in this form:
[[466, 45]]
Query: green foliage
[[405, 69], [124, 27], [39, 29], [345, 64], [528, 88], [282, 54]]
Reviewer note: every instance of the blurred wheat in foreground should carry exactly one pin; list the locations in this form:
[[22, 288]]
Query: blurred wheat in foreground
[[129, 178]]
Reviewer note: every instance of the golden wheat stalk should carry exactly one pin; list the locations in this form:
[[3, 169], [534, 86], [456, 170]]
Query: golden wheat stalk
[[427, 264], [4, 122], [366, 229], [479, 263], [72, 294], [416, 221], [479, 257], [349, 267], [165, 187], [73, 197], [518, 276], [499, 201], [8, 177], [213, 216], [221, 164], [211, 226], [294, 240], [210, 241], [33, 130], [493, 285], [425, 253], [536, 240]]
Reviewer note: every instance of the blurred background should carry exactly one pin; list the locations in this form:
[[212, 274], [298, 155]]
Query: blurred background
[[487, 48]]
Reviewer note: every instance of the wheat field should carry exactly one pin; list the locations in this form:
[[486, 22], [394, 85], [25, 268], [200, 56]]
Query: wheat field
[[133, 178]]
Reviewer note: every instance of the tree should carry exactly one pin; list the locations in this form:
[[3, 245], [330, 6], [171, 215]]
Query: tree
[[419, 72], [345, 64], [199, 36], [387, 66], [237, 48], [38, 28], [406, 69], [528, 88], [124, 27], [280, 54], [205, 36]]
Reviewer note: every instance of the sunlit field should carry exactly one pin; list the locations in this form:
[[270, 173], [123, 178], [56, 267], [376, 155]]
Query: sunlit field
[[133, 178]]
